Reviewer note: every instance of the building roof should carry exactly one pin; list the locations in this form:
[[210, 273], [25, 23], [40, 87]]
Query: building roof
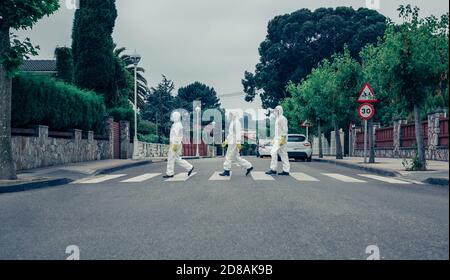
[[38, 66]]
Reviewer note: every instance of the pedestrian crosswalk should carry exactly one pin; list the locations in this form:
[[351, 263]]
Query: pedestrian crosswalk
[[343, 178], [141, 178], [100, 179], [181, 177], [255, 175], [384, 179], [217, 177], [302, 177], [261, 176]]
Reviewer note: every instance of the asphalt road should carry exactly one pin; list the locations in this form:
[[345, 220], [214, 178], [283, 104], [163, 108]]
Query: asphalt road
[[239, 219]]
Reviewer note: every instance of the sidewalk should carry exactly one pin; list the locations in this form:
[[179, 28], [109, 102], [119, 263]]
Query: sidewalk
[[64, 174], [438, 171]]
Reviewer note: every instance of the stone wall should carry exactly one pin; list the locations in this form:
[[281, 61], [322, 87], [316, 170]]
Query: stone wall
[[325, 146], [126, 150], [333, 142], [151, 150], [440, 153], [42, 150]]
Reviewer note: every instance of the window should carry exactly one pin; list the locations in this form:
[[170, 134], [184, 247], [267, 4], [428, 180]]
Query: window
[[297, 138]]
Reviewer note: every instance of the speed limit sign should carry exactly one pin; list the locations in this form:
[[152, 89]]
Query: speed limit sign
[[366, 111]]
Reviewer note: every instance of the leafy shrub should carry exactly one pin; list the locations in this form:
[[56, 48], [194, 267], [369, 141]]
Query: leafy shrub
[[153, 138], [147, 127], [122, 114], [413, 165], [41, 100]]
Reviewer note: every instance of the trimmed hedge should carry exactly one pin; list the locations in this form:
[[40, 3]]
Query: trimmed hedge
[[153, 138], [41, 100]]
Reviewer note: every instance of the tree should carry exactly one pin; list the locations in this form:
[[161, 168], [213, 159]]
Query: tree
[[15, 14], [92, 48], [328, 93], [297, 42], [198, 91], [411, 64], [160, 104], [64, 64], [125, 78]]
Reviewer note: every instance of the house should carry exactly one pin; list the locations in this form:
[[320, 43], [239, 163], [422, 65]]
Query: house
[[39, 67]]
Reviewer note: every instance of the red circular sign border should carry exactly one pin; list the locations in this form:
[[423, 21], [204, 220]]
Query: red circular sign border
[[371, 115]]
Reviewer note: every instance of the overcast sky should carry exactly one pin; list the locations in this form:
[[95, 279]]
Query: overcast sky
[[211, 41]]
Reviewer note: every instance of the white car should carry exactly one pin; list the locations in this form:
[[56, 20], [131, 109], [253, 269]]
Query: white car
[[264, 148], [298, 147]]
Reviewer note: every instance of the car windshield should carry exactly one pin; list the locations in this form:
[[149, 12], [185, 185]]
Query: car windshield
[[296, 138]]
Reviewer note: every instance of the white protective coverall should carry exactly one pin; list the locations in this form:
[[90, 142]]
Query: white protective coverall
[[233, 139], [281, 130], [175, 149]]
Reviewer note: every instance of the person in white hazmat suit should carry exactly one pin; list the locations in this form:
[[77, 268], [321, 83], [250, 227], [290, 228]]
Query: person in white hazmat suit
[[176, 138], [234, 147], [280, 144]]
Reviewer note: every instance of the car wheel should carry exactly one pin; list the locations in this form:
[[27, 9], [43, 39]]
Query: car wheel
[[309, 159]]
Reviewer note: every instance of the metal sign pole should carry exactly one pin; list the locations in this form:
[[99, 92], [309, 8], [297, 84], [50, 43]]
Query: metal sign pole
[[365, 141]]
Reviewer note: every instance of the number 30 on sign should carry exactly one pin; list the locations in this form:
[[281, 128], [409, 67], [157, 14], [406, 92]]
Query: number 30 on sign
[[366, 111]]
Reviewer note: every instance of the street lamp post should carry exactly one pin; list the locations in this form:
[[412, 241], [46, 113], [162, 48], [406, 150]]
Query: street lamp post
[[198, 109], [135, 58]]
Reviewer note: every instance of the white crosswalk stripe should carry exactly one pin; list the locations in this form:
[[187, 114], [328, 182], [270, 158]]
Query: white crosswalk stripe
[[217, 177], [141, 178], [180, 177], [343, 178], [256, 175], [303, 177], [384, 179], [100, 179], [261, 176]]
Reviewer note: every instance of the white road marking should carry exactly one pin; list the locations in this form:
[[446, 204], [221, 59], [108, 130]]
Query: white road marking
[[217, 177], [101, 179], [304, 177], [261, 176], [181, 177], [141, 178], [384, 179], [343, 178]]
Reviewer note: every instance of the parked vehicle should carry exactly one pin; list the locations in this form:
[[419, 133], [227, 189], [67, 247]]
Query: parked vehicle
[[264, 148], [298, 147]]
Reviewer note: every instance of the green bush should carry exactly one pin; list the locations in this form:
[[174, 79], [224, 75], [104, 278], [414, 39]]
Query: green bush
[[147, 127], [153, 138], [43, 100], [122, 114]]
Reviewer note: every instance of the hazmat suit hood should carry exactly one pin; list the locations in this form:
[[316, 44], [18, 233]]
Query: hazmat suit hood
[[176, 117], [280, 111], [233, 115]]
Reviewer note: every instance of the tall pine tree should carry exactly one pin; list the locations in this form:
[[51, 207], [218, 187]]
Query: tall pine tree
[[92, 48]]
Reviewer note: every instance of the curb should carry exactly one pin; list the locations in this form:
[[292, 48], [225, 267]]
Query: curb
[[35, 185], [379, 171], [437, 181], [64, 181], [365, 168]]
